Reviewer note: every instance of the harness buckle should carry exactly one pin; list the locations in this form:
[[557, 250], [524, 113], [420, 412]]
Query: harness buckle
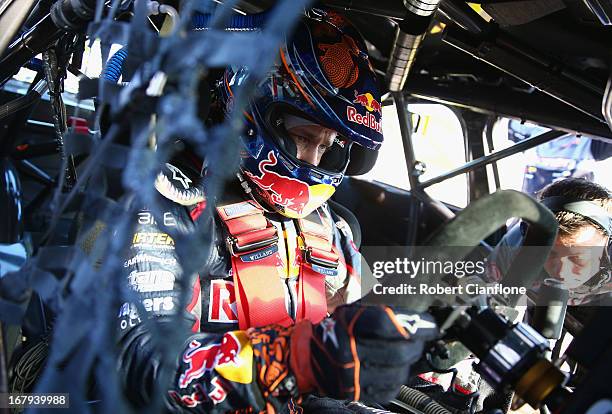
[[251, 241], [319, 257]]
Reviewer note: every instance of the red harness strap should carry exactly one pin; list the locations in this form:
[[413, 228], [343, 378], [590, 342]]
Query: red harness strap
[[258, 269], [319, 260], [260, 295]]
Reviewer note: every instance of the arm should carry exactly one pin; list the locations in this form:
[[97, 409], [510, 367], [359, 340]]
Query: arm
[[215, 371]]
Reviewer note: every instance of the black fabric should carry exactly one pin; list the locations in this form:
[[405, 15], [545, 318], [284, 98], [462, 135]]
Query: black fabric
[[316, 404], [384, 353]]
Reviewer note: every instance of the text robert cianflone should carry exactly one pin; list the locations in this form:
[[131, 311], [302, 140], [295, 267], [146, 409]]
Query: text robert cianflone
[[413, 268], [437, 289]]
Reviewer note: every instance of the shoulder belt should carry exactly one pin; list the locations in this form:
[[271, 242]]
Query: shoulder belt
[[258, 269]]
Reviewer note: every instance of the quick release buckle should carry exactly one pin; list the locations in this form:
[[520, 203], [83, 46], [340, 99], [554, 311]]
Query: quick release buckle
[[251, 241], [321, 258]]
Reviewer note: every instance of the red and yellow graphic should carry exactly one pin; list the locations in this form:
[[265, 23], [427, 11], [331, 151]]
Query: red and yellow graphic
[[232, 358], [240, 368], [296, 197], [368, 102]]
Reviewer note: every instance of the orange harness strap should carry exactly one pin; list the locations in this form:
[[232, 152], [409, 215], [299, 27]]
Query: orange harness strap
[[260, 296]]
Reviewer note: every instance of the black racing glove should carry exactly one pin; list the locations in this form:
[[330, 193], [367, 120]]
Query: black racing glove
[[359, 353]]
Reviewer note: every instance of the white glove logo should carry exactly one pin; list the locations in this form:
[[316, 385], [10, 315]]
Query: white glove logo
[[413, 323]]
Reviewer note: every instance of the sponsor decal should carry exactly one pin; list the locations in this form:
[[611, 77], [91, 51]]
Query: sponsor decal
[[222, 303], [178, 175], [324, 270], [151, 281], [290, 193], [260, 254], [129, 316], [146, 217], [148, 258], [413, 323], [124, 310], [367, 120], [368, 102], [129, 312], [226, 358], [238, 209], [240, 368], [218, 393], [191, 400], [158, 304], [152, 239]]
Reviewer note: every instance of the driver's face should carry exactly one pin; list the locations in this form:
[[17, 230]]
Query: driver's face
[[574, 259], [311, 142]]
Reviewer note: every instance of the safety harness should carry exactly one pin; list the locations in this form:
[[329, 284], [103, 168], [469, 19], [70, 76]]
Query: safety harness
[[258, 270]]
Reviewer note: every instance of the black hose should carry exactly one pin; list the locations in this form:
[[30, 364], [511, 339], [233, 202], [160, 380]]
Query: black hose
[[420, 401], [20, 103]]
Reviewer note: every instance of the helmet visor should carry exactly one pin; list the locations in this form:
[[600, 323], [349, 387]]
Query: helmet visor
[[309, 143]]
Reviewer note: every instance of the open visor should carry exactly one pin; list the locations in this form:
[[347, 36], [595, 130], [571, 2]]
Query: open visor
[[290, 130]]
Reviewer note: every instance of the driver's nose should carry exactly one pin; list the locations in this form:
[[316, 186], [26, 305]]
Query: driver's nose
[[553, 267], [560, 268]]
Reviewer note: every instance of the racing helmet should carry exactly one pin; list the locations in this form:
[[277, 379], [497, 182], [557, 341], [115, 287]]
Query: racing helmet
[[322, 76]]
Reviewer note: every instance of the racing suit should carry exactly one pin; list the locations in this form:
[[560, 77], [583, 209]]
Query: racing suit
[[224, 366]]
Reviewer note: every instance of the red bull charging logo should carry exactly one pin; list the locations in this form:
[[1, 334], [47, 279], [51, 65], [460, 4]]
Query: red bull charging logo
[[201, 359], [287, 192], [368, 102]]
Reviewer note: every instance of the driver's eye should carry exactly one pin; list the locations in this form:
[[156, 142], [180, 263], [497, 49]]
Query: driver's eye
[[300, 140], [578, 261]]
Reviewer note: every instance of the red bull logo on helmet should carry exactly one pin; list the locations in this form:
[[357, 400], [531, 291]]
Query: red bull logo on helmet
[[286, 192], [368, 102], [201, 359], [371, 105]]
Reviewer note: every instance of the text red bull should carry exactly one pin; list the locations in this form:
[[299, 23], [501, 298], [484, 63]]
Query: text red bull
[[287, 192], [202, 359], [367, 120]]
